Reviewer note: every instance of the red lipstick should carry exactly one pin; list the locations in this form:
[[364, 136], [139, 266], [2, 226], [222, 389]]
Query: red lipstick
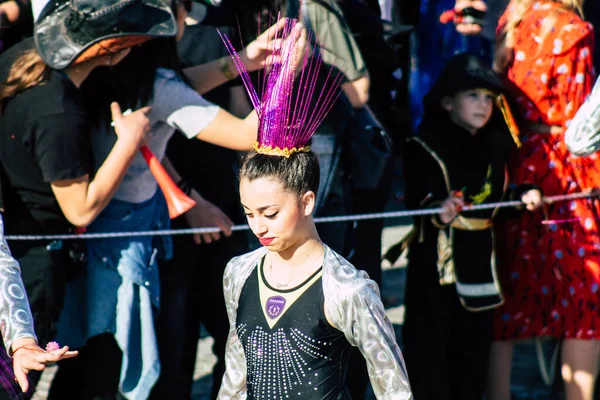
[[265, 241]]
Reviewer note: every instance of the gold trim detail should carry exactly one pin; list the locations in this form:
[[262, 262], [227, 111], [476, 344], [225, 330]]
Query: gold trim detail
[[276, 151], [509, 118], [471, 224]]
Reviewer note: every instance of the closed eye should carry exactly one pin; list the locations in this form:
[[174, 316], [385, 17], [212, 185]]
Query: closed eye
[[272, 215]]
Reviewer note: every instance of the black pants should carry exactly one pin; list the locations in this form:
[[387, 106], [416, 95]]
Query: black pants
[[92, 375], [192, 293], [446, 347], [43, 274]]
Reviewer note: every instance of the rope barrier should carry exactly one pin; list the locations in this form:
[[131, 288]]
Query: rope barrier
[[341, 218]]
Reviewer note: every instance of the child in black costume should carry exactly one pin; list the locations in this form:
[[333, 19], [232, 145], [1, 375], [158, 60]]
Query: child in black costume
[[458, 158]]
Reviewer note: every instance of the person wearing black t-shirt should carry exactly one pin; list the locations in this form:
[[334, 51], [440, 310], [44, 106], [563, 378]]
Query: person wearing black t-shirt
[[45, 155]]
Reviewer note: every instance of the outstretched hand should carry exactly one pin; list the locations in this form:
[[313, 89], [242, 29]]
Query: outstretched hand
[[256, 53], [266, 49], [32, 357]]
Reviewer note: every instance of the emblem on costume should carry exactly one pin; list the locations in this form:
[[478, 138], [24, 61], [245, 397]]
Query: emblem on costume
[[275, 306]]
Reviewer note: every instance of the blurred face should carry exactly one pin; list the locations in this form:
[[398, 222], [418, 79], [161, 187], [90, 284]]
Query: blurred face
[[470, 109], [277, 217]]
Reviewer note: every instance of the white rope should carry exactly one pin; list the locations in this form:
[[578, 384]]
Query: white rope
[[341, 218]]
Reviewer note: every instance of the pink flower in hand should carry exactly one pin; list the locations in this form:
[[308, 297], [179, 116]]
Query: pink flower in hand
[[51, 346]]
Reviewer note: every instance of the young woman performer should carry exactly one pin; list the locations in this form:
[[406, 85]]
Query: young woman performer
[[296, 307]]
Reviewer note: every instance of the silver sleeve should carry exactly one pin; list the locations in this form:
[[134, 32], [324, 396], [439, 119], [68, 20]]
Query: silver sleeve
[[233, 386], [583, 134], [16, 321], [353, 303], [372, 332]]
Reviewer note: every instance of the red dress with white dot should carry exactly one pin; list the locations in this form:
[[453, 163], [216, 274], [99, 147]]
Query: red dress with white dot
[[551, 272]]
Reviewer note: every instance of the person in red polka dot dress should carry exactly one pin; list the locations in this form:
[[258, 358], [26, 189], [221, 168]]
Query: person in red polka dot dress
[[550, 260]]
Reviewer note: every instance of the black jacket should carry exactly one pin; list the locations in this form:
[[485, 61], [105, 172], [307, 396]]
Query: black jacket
[[474, 165]]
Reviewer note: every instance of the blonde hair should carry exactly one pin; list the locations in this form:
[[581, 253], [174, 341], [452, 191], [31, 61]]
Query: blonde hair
[[515, 14], [27, 71]]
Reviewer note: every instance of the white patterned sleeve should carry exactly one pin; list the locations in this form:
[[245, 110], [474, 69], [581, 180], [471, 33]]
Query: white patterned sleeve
[[583, 135], [233, 386], [372, 332], [16, 321]]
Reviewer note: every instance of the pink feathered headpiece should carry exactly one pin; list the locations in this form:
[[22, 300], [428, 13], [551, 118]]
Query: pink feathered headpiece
[[287, 121]]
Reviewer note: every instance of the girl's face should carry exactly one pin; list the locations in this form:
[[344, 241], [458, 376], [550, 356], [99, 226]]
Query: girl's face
[[277, 217], [470, 109]]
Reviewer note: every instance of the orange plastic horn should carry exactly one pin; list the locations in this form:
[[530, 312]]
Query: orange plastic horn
[[177, 201]]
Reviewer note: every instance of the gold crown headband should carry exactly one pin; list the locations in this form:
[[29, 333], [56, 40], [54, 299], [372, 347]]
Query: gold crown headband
[[276, 151]]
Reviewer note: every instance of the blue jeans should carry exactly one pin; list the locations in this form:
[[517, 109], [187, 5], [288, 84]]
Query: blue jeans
[[120, 292]]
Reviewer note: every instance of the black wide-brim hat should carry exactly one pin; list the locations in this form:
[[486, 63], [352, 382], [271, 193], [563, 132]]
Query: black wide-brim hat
[[73, 31], [463, 72]]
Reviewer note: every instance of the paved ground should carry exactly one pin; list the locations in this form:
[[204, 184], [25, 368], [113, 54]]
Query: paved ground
[[526, 379]]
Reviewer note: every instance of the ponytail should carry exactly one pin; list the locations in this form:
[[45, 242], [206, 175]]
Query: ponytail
[[27, 71]]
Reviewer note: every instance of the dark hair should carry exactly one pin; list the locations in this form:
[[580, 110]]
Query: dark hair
[[27, 71], [298, 174], [131, 82], [256, 16], [138, 70]]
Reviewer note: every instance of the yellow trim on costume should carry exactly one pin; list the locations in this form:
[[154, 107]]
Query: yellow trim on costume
[[502, 104], [276, 151], [471, 224], [486, 189]]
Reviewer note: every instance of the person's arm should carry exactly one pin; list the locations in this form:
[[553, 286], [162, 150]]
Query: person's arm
[[17, 327], [360, 315], [376, 339], [338, 48], [29, 356], [583, 135], [357, 91], [208, 76], [184, 109], [234, 383], [82, 199], [14, 308], [229, 131]]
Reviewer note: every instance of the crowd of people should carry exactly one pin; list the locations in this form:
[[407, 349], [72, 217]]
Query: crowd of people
[[301, 109]]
